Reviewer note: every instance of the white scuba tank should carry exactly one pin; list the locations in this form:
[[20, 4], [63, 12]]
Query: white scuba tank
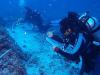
[[92, 24]]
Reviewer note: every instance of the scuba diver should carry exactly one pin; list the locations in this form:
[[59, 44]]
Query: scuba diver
[[34, 17], [77, 40]]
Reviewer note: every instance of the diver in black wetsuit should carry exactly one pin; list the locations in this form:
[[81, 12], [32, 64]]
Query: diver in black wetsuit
[[35, 18], [78, 41]]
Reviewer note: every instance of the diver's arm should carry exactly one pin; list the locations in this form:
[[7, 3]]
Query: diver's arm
[[55, 37], [72, 57], [78, 48]]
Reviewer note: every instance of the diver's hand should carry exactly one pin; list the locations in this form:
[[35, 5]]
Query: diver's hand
[[55, 48], [50, 34]]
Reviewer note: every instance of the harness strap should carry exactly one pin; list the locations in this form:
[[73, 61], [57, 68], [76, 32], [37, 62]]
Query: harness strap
[[98, 28]]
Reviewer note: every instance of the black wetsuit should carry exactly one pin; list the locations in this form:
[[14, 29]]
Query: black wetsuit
[[88, 51]]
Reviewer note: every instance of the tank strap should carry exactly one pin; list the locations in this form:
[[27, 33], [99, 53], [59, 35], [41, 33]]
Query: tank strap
[[98, 28]]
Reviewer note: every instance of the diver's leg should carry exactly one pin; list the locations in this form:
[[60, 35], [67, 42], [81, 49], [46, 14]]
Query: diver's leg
[[97, 67]]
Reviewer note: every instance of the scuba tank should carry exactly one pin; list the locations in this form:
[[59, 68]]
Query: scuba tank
[[92, 25]]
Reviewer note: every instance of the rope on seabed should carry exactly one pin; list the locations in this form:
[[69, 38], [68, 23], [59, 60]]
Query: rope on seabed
[[1, 56]]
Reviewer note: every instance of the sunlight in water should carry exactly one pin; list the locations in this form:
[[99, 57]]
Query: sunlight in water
[[22, 3]]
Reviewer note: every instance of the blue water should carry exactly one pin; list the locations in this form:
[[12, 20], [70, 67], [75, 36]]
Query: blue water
[[50, 9], [41, 59]]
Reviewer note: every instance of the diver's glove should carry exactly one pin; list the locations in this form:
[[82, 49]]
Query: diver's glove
[[50, 34], [56, 48]]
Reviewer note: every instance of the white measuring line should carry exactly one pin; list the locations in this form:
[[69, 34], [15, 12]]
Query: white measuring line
[[5, 53]]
